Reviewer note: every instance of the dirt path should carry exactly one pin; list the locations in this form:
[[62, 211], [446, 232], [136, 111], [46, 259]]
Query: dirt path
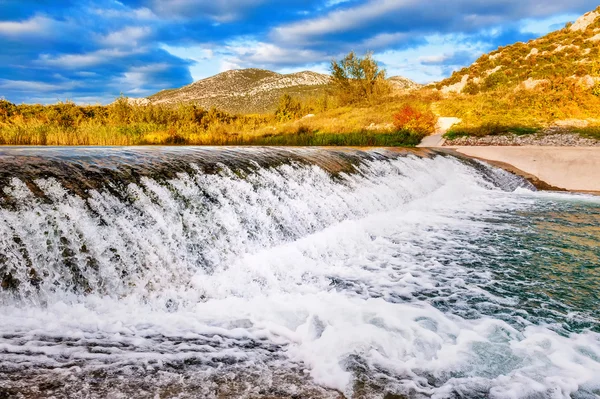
[[436, 140]]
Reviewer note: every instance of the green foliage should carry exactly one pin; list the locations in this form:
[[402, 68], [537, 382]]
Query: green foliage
[[495, 80], [490, 129], [358, 79], [592, 132], [288, 108], [471, 88], [306, 137]]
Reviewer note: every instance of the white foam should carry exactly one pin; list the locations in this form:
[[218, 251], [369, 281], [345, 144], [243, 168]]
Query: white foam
[[329, 271]]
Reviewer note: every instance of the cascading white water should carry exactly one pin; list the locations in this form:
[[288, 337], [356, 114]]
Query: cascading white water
[[279, 276]]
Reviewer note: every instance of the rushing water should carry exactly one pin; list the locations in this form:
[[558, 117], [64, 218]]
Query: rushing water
[[307, 273]]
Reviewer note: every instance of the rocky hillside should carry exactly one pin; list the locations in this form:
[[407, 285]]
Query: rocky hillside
[[570, 53], [245, 90], [402, 83]]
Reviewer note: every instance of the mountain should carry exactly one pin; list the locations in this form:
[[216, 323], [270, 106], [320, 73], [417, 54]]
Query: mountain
[[245, 90], [248, 91], [402, 83], [569, 53]]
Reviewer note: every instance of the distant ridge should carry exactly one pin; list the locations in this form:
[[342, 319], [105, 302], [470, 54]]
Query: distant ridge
[[252, 91], [571, 52], [402, 83], [245, 90]]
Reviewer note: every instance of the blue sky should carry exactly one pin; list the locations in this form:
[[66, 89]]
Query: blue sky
[[90, 51]]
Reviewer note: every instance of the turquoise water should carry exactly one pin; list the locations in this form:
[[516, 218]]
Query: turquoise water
[[545, 258]]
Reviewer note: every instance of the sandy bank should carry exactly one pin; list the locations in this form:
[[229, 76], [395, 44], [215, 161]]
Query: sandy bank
[[569, 168]]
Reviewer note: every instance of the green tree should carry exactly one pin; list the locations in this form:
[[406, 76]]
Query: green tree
[[289, 108], [357, 79]]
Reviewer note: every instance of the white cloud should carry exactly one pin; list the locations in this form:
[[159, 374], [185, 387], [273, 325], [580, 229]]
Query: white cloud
[[34, 86], [546, 25], [337, 21], [383, 40], [35, 25], [436, 58], [206, 61], [136, 80], [127, 37], [421, 63], [227, 65], [267, 53], [76, 61], [218, 10], [331, 3], [140, 14]]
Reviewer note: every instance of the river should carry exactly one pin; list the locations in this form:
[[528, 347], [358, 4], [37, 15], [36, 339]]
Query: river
[[291, 273]]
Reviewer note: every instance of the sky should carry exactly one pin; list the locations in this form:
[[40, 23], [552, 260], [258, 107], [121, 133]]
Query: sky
[[92, 51]]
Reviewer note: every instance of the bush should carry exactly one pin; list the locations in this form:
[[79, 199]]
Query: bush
[[495, 80], [288, 109], [413, 120], [471, 88]]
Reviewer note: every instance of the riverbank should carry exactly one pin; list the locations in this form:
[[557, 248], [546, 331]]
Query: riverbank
[[553, 168]]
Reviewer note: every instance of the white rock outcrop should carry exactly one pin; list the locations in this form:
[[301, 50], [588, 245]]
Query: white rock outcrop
[[584, 21], [456, 87]]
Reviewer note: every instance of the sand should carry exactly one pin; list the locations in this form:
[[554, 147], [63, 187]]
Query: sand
[[570, 168]]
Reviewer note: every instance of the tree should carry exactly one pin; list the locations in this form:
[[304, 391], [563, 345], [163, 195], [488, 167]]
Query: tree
[[289, 108], [356, 79]]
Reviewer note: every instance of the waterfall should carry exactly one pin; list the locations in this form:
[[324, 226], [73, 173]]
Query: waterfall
[[315, 270]]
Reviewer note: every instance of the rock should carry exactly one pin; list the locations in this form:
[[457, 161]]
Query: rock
[[533, 51], [584, 21], [531, 83], [552, 137], [456, 87], [588, 81], [491, 71], [138, 101], [594, 38], [308, 116], [572, 123], [402, 83]]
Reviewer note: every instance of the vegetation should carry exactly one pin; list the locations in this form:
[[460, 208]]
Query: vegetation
[[358, 79], [518, 89], [566, 53], [527, 87], [358, 111], [419, 121], [122, 123]]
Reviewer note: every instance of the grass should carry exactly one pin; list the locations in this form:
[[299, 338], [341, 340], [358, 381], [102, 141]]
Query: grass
[[123, 124], [591, 132], [521, 112], [379, 122]]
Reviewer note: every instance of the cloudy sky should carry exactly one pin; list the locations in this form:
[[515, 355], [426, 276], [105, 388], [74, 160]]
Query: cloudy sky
[[90, 51]]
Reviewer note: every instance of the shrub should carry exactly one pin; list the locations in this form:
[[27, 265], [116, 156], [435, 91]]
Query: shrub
[[413, 120], [471, 88], [495, 80], [289, 108]]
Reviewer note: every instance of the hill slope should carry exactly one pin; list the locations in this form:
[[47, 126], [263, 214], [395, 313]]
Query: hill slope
[[402, 83], [573, 51], [250, 91], [245, 90]]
